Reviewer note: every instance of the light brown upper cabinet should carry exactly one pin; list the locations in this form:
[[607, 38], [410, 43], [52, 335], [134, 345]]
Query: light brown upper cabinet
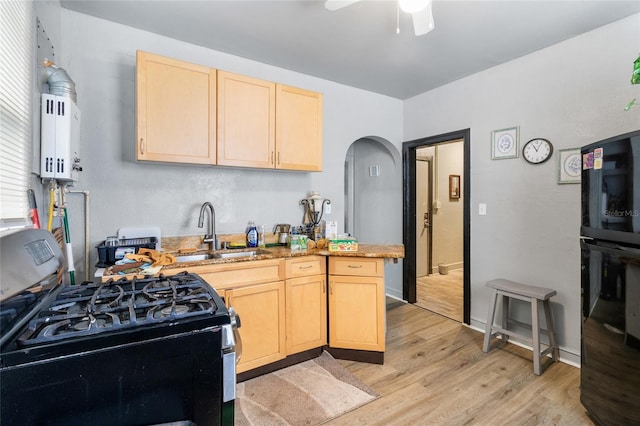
[[175, 110], [188, 113], [298, 129], [246, 121], [268, 125]]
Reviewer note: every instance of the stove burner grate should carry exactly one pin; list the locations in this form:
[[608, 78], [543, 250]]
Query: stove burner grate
[[90, 309]]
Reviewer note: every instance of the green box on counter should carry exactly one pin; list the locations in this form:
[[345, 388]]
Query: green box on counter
[[298, 242], [343, 244]]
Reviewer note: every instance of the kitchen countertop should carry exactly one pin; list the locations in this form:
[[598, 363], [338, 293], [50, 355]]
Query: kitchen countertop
[[393, 251], [390, 251]]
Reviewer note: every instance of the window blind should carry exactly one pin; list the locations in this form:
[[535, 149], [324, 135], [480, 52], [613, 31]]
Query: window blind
[[16, 70]]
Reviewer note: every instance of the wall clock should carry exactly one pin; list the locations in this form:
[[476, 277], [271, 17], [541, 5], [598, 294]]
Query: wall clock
[[537, 151]]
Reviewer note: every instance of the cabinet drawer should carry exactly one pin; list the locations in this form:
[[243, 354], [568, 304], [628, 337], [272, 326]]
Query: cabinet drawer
[[306, 266], [241, 273], [358, 266]]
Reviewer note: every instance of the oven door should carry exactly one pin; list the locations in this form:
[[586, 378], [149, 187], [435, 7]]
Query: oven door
[[170, 379]]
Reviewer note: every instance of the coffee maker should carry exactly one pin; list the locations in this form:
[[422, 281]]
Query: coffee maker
[[282, 229]]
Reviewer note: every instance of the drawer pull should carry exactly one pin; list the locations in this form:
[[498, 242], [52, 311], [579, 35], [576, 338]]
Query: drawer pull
[[355, 266], [305, 267]]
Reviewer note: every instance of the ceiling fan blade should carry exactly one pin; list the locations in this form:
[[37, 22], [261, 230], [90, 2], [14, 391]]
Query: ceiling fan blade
[[423, 20], [338, 4]]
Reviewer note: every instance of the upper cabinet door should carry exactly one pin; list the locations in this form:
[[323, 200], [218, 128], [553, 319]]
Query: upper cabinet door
[[246, 121], [176, 110], [298, 129]]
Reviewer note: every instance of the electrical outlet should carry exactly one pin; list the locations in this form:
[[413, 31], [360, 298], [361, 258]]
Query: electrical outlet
[[327, 209], [482, 209]]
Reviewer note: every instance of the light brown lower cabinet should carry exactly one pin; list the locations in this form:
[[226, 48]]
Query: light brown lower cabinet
[[306, 313], [261, 309], [282, 305], [356, 303], [306, 301]]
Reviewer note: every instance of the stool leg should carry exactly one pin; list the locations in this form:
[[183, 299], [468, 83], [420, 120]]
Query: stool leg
[[535, 332], [490, 315], [551, 330], [505, 317]]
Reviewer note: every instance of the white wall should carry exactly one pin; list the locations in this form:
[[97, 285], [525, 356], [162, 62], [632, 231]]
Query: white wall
[[100, 57], [448, 220], [572, 93]]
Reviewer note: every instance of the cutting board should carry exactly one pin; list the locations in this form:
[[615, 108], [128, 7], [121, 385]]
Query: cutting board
[[141, 232]]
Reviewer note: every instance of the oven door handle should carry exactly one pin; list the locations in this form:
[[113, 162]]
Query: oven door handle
[[235, 325]]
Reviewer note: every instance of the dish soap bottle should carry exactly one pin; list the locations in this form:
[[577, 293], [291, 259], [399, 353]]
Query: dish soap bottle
[[252, 235], [261, 242]]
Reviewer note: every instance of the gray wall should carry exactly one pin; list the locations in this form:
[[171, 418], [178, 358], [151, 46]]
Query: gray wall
[[572, 93]]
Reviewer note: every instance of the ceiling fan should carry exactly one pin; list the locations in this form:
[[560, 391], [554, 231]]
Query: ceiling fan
[[420, 11]]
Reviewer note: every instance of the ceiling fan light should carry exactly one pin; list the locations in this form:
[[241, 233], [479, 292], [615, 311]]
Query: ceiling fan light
[[413, 6], [423, 21]]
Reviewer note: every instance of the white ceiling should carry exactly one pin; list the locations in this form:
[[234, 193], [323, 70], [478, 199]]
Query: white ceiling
[[358, 45]]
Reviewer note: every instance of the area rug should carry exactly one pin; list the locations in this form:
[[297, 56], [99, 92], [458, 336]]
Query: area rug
[[309, 393]]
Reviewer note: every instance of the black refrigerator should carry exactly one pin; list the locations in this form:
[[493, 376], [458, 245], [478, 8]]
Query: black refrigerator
[[610, 277]]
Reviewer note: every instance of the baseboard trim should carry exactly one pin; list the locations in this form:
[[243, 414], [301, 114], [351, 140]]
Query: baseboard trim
[[371, 357], [278, 365]]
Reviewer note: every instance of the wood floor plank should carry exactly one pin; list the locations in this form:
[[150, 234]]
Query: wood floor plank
[[435, 373], [442, 294]]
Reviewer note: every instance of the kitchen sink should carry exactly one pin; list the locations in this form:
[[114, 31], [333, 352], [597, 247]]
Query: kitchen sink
[[194, 257], [220, 255], [243, 253]]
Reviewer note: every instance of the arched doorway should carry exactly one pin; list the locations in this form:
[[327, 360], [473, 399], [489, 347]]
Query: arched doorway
[[373, 198]]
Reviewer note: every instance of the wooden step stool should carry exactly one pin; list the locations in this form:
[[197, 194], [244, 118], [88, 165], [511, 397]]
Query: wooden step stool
[[510, 289]]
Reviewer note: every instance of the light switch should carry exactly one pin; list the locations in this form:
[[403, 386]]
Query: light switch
[[327, 208], [482, 209]]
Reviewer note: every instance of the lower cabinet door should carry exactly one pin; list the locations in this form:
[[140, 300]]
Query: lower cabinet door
[[306, 313], [356, 312], [262, 316]]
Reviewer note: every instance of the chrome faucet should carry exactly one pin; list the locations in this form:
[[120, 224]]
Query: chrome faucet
[[210, 236]]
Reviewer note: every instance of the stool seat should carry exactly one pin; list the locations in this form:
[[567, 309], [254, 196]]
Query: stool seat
[[507, 289], [539, 293]]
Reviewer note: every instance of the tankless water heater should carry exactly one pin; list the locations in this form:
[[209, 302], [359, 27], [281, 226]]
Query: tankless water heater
[[59, 138]]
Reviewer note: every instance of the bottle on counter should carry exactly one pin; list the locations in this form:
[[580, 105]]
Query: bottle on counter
[[252, 235], [261, 242]]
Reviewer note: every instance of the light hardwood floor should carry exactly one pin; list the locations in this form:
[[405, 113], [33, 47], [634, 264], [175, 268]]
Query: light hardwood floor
[[442, 294], [435, 373]]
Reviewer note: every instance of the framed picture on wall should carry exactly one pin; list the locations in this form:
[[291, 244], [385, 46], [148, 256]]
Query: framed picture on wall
[[569, 166], [504, 143], [454, 186]]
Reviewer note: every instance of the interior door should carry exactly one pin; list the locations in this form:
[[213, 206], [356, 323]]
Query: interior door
[[423, 217]]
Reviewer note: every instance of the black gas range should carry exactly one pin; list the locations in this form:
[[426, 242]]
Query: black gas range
[[126, 352]]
